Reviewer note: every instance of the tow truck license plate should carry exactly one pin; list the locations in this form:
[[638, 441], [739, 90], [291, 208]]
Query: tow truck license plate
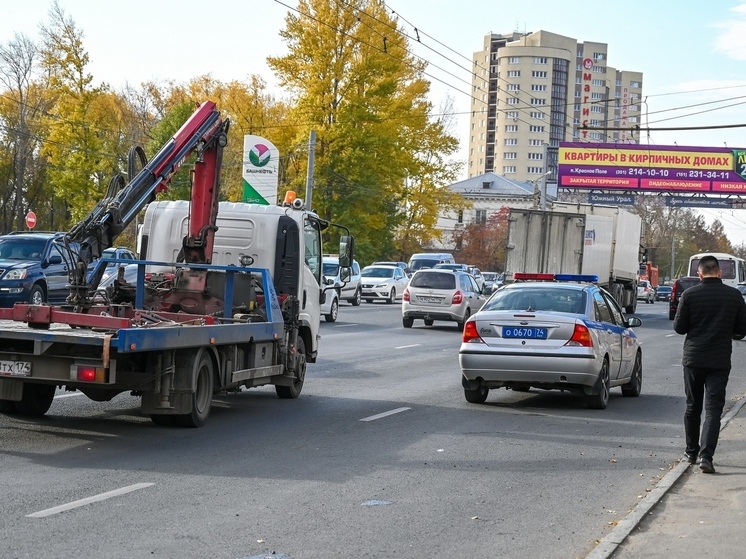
[[15, 368], [526, 333]]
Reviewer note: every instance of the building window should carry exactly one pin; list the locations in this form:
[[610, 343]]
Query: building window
[[534, 142], [510, 155], [596, 136], [514, 73], [511, 128], [578, 94], [512, 114], [597, 109], [513, 101], [597, 95], [535, 170], [514, 60], [540, 59], [595, 122], [536, 114], [578, 80], [480, 216], [538, 156], [536, 101], [514, 87], [511, 141], [536, 87], [508, 169], [632, 119], [533, 128], [577, 106], [598, 83], [634, 84], [460, 218], [538, 74], [598, 56], [599, 69]]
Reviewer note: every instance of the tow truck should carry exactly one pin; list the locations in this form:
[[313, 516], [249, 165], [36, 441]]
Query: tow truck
[[187, 328]]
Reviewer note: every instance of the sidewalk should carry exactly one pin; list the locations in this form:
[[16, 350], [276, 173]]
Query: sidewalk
[[693, 514]]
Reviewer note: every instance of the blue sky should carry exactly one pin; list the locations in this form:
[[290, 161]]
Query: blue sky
[[690, 52]]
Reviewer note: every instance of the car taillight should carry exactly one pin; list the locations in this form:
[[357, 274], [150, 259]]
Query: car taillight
[[405, 295], [86, 373], [470, 332], [581, 337], [457, 298]]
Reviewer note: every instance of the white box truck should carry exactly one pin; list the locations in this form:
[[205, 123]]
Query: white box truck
[[578, 239]]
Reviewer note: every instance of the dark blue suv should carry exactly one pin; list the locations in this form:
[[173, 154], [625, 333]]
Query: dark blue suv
[[32, 269]]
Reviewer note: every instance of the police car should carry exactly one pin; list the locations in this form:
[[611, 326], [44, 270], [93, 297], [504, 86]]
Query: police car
[[557, 332]]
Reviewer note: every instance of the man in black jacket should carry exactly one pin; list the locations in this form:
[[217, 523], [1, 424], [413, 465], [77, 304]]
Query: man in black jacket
[[711, 314]]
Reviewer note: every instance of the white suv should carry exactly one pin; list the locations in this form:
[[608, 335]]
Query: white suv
[[351, 291]]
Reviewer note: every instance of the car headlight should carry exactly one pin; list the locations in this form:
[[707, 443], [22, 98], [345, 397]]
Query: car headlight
[[16, 274]]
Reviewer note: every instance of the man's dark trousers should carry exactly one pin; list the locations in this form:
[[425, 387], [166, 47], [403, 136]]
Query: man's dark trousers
[[706, 385]]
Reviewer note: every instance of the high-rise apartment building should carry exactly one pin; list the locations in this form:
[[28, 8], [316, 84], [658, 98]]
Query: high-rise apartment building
[[532, 91]]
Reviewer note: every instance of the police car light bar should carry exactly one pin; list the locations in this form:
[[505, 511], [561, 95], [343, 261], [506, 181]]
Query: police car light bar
[[518, 276], [576, 277]]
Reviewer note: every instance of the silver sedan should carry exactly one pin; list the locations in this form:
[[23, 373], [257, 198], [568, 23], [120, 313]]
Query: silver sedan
[[551, 335]]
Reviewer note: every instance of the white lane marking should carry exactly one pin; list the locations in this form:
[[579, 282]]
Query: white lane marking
[[69, 395], [406, 346], [345, 325], [384, 414], [671, 335], [89, 500]]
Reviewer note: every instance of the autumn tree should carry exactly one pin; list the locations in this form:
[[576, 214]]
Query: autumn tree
[[355, 82], [81, 120], [23, 103], [483, 244]]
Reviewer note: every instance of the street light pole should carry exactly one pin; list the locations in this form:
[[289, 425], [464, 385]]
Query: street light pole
[[673, 256]]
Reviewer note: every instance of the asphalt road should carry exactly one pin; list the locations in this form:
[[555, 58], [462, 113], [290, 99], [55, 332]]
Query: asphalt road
[[381, 457]]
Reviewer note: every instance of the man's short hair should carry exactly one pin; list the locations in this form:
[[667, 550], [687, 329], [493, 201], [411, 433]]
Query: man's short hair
[[709, 265]]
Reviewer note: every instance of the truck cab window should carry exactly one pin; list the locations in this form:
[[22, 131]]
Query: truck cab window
[[312, 234]]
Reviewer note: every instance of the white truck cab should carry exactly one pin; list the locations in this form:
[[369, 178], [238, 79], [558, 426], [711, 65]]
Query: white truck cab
[[273, 237]]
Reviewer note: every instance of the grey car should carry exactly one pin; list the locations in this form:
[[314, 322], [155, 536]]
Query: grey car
[[441, 294], [551, 335]]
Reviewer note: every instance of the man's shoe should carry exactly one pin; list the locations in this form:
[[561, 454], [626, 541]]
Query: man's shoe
[[691, 458], [706, 466]]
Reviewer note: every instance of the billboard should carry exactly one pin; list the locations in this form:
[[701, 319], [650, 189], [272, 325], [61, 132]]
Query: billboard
[[261, 167], [650, 168]]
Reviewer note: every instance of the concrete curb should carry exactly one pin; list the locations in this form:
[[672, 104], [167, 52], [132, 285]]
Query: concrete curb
[[609, 543]]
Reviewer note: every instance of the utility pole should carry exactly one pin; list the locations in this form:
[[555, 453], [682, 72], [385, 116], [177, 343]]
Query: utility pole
[[544, 176], [309, 172]]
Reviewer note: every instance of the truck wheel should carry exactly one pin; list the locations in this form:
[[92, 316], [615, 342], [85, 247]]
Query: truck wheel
[[358, 298], [7, 406], [333, 312], [294, 390], [36, 297], [202, 397], [162, 419], [36, 399]]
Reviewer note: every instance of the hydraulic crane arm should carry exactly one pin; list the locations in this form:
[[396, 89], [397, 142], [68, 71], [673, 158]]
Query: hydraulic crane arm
[[205, 134]]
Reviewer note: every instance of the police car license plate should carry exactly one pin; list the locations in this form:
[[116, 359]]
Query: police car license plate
[[525, 333], [15, 368]]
